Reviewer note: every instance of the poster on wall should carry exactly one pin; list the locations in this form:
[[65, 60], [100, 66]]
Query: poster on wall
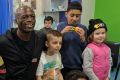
[[30, 3], [26, 1]]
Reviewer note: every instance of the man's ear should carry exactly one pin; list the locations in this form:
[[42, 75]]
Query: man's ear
[[46, 43], [15, 21]]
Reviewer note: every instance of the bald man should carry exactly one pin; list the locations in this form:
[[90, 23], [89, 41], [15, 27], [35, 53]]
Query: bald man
[[20, 47]]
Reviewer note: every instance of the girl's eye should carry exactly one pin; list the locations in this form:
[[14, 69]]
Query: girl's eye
[[97, 33], [103, 32]]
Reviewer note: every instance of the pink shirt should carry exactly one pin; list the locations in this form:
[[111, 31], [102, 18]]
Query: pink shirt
[[101, 63]]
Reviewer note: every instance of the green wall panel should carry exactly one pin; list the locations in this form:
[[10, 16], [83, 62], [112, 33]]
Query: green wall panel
[[109, 12]]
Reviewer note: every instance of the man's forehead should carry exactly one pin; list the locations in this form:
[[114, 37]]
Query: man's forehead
[[24, 9], [75, 11]]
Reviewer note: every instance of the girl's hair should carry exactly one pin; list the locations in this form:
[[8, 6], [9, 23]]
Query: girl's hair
[[90, 38], [75, 75]]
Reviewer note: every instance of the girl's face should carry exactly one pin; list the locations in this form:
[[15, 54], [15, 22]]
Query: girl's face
[[99, 35], [54, 44]]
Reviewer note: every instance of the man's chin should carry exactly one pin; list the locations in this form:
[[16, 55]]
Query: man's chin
[[73, 24], [27, 31]]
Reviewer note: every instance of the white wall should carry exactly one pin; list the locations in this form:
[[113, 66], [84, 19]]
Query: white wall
[[88, 11], [39, 14]]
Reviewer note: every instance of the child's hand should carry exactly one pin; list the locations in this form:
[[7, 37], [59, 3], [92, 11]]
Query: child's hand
[[81, 33], [49, 75], [66, 29]]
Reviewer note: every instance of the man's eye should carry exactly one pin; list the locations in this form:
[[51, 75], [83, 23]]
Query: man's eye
[[77, 15], [32, 16], [24, 17], [72, 15]]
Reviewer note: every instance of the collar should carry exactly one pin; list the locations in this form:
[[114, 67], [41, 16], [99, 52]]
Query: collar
[[98, 44]]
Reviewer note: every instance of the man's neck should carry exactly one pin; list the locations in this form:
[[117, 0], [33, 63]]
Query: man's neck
[[23, 36]]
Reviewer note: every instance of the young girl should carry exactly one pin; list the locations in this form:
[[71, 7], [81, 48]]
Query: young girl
[[50, 61], [97, 55]]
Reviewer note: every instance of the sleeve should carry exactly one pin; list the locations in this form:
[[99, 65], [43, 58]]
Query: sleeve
[[86, 30], [2, 45], [87, 64], [41, 32], [40, 69], [84, 43], [111, 63]]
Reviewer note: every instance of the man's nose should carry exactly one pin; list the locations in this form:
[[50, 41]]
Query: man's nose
[[29, 18]]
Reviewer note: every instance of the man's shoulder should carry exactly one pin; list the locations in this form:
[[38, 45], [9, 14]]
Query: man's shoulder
[[6, 37], [61, 25], [3, 38], [36, 31], [40, 31], [40, 37]]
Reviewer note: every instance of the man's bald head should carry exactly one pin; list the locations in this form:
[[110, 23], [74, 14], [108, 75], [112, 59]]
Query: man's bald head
[[22, 9]]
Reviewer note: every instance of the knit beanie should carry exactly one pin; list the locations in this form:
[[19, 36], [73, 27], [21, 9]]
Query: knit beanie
[[95, 24]]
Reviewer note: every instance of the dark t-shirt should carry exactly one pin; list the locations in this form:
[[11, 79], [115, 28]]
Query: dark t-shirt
[[26, 47]]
